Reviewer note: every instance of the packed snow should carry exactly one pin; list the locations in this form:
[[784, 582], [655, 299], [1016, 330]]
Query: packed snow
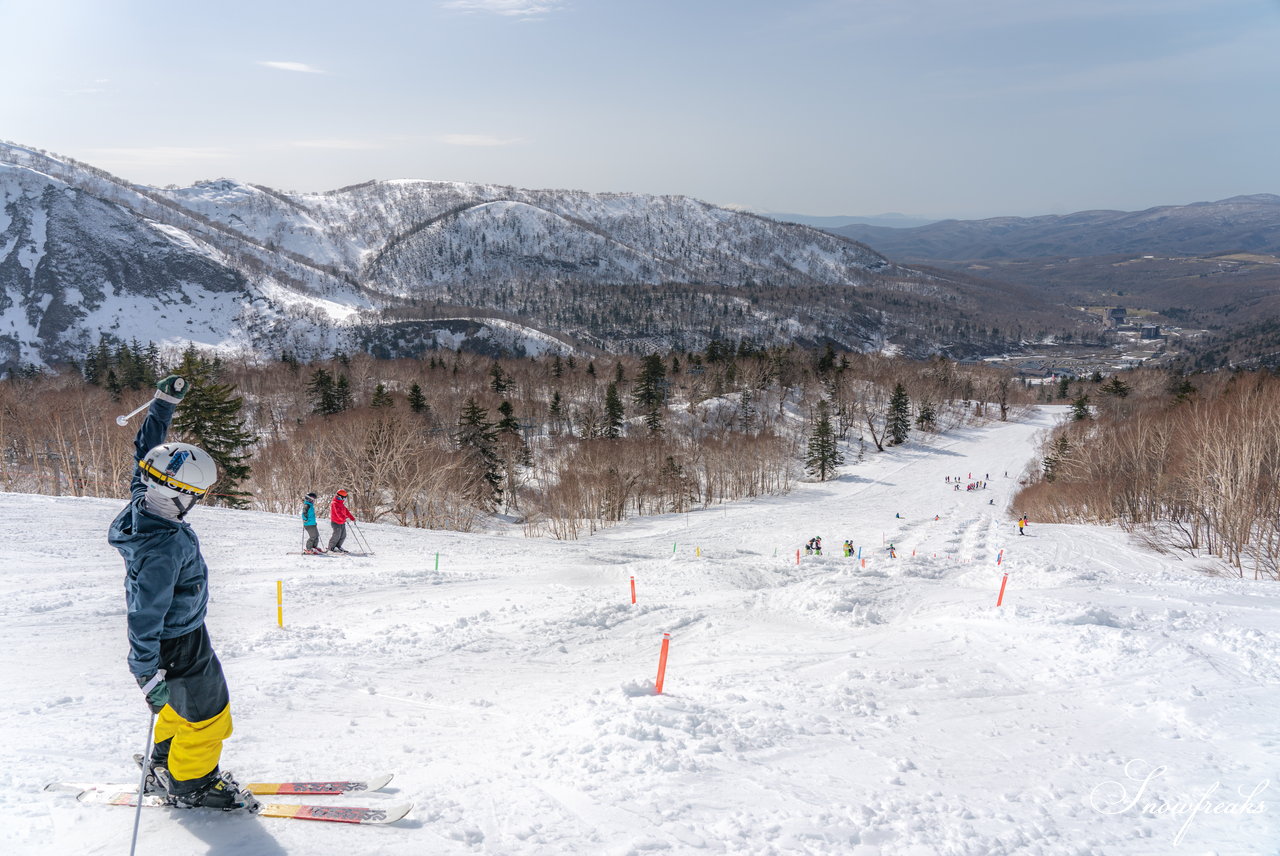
[[1120, 701]]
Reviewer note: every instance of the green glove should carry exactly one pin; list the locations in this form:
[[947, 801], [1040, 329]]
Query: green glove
[[158, 695], [172, 388]]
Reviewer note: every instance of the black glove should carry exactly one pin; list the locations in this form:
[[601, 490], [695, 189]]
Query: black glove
[[158, 695], [172, 388]]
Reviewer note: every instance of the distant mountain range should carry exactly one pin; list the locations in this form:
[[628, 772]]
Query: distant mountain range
[[1209, 266], [396, 267], [833, 223], [1239, 224]]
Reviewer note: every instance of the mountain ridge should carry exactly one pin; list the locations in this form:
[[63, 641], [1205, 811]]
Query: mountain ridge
[[314, 272], [1249, 222]]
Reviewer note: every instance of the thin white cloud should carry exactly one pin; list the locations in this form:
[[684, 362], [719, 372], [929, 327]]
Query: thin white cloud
[[477, 140], [291, 66], [97, 87], [509, 8], [350, 145]]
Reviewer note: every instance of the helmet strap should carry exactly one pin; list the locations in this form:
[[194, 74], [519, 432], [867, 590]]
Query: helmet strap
[[170, 507]]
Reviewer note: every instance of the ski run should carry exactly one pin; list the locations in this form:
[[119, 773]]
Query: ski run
[[1120, 701]]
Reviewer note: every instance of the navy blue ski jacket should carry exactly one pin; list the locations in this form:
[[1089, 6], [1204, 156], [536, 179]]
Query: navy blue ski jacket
[[166, 582]]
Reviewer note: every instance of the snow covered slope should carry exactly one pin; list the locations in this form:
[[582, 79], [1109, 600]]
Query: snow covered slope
[[819, 707]]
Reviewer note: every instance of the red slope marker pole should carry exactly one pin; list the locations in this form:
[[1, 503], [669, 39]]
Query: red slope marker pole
[[662, 663], [633, 589], [1003, 581]]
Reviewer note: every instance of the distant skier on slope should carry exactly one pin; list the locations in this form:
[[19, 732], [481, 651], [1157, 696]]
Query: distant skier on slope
[[1022, 525], [167, 594], [309, 524], [339, 516]]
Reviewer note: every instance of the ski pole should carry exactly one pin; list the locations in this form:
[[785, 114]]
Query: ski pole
[[124, 420], [365, 541], [142, 783], [360, 536]]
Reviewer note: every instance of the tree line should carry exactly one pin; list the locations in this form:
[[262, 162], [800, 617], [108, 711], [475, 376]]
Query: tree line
[[562, 444], [1194, 462]]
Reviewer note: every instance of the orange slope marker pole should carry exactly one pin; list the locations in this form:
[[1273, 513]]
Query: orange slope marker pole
[[633, 589], [1003, 581], [280, 602], [662, 663]]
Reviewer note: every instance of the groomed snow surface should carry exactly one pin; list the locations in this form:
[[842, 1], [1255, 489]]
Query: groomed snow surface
[[1119, 702]]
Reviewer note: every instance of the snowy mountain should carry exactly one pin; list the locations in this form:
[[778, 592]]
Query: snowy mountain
[[234, 265], [1119, 702]]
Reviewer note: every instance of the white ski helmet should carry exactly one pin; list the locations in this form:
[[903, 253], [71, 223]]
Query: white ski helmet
[[178, 469]]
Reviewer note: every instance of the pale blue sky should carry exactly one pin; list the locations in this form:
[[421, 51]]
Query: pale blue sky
[[965, 108]]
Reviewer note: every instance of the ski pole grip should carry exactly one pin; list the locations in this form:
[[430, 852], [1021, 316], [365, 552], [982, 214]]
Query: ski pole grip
[[151, 684]]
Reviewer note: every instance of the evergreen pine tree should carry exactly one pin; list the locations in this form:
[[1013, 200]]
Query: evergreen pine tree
[[1080, 408], [90, 371], [98, 363], [320, 391], [417, 401], [927, 418], [556, 410], [508, 422], [499, 380], [1115, 387], [898, 424], [113, 385], [1181, 388], [477, 439], [342, 396], [828, 360], [209, 417], [613, 412], [824, 452], [650, 392], [381, 398]]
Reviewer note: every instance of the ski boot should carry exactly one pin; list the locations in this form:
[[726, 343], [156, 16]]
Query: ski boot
[[216, 790], [157, 778]]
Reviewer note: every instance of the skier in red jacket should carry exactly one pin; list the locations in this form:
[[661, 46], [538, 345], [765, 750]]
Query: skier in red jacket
[[338, 517]]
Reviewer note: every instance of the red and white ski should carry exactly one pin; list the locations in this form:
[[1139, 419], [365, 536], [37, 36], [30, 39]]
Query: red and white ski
[[301, 788], [290, 811]]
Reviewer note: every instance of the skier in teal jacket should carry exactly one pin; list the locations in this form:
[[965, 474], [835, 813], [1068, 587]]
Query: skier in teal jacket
[[309, 524], [167, 593]]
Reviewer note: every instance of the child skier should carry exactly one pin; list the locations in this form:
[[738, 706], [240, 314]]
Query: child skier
[[167, 593], [309, 524], [339, 515]]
